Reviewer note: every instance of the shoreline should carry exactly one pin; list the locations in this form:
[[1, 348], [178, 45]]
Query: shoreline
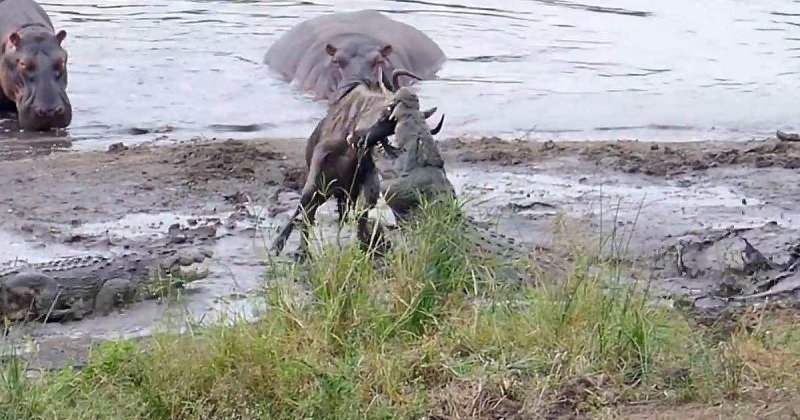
[[68, 203]]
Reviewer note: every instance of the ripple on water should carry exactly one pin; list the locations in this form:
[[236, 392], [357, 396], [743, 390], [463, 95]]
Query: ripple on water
[[539, 66]]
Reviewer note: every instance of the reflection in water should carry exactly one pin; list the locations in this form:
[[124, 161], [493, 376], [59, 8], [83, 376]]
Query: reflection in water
[[15, 144], [682, 68]]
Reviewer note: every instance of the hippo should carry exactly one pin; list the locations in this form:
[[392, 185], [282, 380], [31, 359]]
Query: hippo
[[33, 67], [332, 50]]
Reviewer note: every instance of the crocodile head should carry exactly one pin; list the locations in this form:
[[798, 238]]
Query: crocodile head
[[402, 112]]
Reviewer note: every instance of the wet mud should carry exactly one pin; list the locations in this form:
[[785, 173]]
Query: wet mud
[[712, 230]]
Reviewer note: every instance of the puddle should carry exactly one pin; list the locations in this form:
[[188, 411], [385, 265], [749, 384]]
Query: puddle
[[29, 249], [649, 211], [231, 291]]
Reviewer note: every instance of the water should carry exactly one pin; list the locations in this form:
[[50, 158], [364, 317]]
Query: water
[[666, 70]]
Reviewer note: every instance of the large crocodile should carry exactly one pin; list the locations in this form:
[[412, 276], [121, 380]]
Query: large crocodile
[[355, 104], [72, 288], [337, 170], [418, 173]]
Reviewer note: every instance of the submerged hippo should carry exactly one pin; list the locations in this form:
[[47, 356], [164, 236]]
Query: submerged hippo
[[33, 67], [330, 50]]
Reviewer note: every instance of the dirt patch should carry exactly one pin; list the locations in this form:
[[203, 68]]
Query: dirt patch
[[580, 396], [474, 399], [72, 188], [778, 407], [230, 159], [655, 159]]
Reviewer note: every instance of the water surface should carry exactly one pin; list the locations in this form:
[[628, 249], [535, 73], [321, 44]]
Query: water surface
[[679, 69]]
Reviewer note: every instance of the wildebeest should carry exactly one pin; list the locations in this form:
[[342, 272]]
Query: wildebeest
[[337, 168]]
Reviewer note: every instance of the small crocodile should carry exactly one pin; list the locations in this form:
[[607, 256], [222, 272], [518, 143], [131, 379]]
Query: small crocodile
[[418, 173], [71, 288]]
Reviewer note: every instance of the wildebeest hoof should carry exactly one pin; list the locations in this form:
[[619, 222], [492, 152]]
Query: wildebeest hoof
[[300, 256]]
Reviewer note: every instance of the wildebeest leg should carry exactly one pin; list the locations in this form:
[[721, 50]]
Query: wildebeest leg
[[280, 240], [308, 196], [340, 208], [310, 211], [309, 202]]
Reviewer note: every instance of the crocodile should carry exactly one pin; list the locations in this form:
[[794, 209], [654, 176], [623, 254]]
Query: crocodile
[[418, 174], [71, 288], [335, 169], [728, 267], [356, 103]]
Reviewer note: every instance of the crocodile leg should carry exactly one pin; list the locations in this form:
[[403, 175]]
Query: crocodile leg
[[371, 234], [114, 293]]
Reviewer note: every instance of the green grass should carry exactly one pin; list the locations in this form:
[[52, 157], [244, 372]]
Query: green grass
[[430, 332]]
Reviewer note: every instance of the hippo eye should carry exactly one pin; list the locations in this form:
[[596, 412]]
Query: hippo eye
[[59, 70]]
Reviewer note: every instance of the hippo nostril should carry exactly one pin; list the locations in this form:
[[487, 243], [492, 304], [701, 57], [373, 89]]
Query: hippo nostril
[[41, 112]]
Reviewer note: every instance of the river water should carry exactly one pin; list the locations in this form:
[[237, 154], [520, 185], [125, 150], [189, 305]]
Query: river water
[[583, 69]]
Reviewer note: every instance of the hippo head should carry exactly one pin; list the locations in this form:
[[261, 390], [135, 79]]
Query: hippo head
[[360, 61], [33, 73]]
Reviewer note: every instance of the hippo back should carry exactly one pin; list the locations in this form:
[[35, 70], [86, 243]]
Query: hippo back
[[15, 13], [305, 43]]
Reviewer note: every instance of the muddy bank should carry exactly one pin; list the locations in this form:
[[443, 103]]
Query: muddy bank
[[629, 156], [70, 203]]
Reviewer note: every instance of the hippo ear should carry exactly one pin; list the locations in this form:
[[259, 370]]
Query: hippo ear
[[386, 50], [14, 39], [330, 49], [60, 35]]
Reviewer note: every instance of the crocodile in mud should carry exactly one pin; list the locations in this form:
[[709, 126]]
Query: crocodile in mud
[[516, 188], [732, 267], [72, 288], [417, 174]]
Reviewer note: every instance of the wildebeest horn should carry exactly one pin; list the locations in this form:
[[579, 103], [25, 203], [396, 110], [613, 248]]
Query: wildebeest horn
[[429, 112], [438, 127], [402, 72], [386, 83]]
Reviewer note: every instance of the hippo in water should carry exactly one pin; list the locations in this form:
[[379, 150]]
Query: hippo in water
[[331, 50], [33, 67]]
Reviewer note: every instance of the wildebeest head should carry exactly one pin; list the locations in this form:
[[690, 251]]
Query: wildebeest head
[[404, 106], [360, 61], [33, 73]]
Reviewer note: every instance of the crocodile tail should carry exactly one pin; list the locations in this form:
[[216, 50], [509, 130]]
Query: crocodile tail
[[494, 241]]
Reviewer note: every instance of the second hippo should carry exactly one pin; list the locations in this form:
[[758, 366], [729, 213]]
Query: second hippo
[[331, 50], [33, 67]]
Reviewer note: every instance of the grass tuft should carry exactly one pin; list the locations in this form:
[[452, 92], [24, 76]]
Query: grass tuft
[[429, 332]]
